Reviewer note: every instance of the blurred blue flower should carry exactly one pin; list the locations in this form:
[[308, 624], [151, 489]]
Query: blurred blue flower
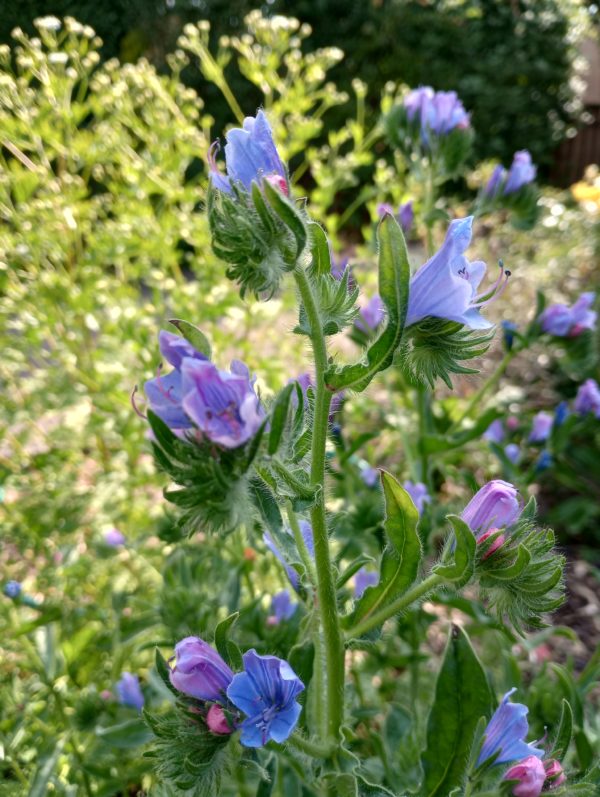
[[364, 578], [542, 426], [495, 505], [561, 413], [418, 493], [543, 462], [250, 156], [12, 589], [129, 691], [495, 432], [405, 215], [370, 315], [199, 670], [588, 398], [512, 452], [307, 535], [506, 732], [508, 332], [114, 538], [492, 187], [369, 475], [521, 172], [282, 607], [266, 693], [562, 321], [446, 286], [439, 112]]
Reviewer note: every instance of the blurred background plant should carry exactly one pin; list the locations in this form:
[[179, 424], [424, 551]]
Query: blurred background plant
[[104, 238]]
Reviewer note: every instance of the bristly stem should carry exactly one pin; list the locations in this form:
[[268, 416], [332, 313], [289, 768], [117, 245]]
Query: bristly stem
[[326, 592], [402, 602]]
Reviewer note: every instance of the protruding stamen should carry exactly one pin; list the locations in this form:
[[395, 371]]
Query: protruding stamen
[[134, 405]]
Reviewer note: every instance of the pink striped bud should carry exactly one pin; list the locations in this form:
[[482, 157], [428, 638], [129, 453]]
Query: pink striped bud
[[217, 721]]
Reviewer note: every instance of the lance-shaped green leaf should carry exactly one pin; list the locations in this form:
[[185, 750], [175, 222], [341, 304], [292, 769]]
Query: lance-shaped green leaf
[[394, 278], [462, 697], [193, 335], [402, 555], [289, 215], [279, 415], [434, 443], [222, 643], [460, 570], [319, 250], [563, 734]]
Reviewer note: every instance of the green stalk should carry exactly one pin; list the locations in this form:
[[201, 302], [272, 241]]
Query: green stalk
[[398, 605], [307, 561], [316, 749], [326, 592]]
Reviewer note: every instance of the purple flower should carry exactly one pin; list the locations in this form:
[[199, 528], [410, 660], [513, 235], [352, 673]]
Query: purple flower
[[371, 315], [282, 607], [266, 693], [588, 398], [542, 426], [561, 413], [307, 535], [495, 432], [129, 691], [506, 732], [12, 589], [405, 216], [495, 505], [562, 321], [199, 671], [493, 184], [439, 112], [530, 774], [512, 452], [250, 156], [369, 475], [222, 405], [418, 493], [339, 266], [521, 172], [446, 286], [114, 538], [164, 392], [364, 578]]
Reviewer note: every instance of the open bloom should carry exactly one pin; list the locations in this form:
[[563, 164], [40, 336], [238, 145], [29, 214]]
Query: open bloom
[[307, 535], [530, 775], [371, 314], [495, 505], [129, 691], [439, 112], [446, 286], [418, 493], [250, 156], [199, 671], [564, 321], [364, 578], [266, 693], [522, 171], [588, 398], [542, 426], [506, 732]]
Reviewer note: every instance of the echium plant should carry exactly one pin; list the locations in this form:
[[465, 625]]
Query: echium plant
[[284, 722]]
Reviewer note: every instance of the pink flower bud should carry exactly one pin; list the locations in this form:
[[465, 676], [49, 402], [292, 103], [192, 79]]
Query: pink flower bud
[[498, 542], [530, 774], [279, 182], [217, 721], [555, 775], [106, 694]]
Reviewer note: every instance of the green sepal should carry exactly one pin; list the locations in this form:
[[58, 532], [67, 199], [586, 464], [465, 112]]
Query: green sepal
[[193, 335], [265, 503], [402, 556], [460, 570], [279, 414], [289, 215], [319, 248], [394, 277], [562, 740], [512, 571], [221, 637], [462, 698]]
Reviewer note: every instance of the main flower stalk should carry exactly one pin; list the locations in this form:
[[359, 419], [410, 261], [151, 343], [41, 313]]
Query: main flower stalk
[[326, 592]]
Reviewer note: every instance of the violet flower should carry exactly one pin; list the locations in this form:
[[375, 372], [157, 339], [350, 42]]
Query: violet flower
[[129, 691], [364, 578], [505, 734], [530, 775], [266, 693], [512, 452], [446, 286], [114, 538], [12, 589], [561, 320], [496, 504], [492, 187], [418, 493], [250, 156], [439, 112], [282, 607], [495, 432], [369, 475], [542, 426], [199, 671], [521, 172], [588, 398]]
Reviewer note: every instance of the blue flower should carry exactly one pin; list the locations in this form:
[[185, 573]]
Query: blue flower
[[542, 426], [12, 589], [513, 453], [493, 185], [496, 505], [199, 670], [418, 493], [282, 607], [543, 462], [250, 156], [561, 413], [266, 693], [508, 331], [129, 691], [114, 538], [369, 475], [562, 321], [446, 286], [439, 112], [506, 732], [364, 578], [307, 535], [588, 398], [521, 172], [495, 432]]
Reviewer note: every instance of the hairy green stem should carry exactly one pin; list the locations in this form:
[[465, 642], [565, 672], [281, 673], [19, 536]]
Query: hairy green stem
[[307, 561], [403, 602], [316, 748], [326, 592]]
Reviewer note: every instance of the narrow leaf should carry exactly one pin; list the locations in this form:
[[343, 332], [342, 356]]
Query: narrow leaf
[[288, 213], [319, 249], [563, 734], [279, 417], [221, 634], [266, 504], [462, 697], [461, 569], [193, 335], [162, 668]]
